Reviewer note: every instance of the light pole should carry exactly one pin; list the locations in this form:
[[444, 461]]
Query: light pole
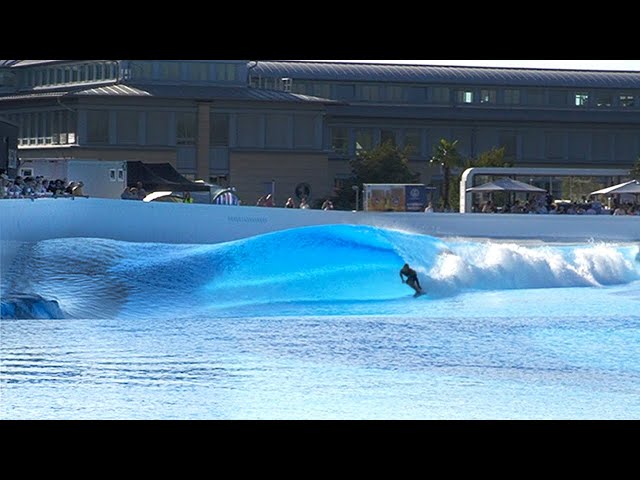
[[356, 189]]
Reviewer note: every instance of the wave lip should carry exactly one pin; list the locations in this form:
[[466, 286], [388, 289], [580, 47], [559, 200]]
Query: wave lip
[[27, 307]]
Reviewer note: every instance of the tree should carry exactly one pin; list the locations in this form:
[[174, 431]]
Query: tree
[[383, 164], [635, 170], [446, 154]]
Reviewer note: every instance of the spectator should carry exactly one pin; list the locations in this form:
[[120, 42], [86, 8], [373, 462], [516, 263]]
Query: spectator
[[77, 191], [303, 203], [290, 203], [429, 208], [141, 192], [327, 205], [187, 197]]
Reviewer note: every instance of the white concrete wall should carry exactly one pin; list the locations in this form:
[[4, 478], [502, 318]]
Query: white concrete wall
[[33, 220]]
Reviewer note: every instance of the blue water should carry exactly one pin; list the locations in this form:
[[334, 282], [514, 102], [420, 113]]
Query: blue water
[[314, 323]]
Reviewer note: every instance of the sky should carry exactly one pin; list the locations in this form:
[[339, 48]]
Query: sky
[[630, 65]]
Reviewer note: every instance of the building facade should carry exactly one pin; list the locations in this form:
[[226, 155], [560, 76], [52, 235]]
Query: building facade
[[283, 124]]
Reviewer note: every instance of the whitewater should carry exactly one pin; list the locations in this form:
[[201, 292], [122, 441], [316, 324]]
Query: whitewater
[[314, 322]]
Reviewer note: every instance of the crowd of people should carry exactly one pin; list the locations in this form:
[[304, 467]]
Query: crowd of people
[[134, 193], [267, 201], [546, 205], [38, 186]]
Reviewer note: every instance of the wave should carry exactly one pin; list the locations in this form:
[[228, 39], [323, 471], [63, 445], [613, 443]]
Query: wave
[[97, 278]]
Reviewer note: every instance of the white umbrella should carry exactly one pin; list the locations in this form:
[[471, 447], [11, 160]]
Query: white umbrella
[[628, 187], [506, 185]]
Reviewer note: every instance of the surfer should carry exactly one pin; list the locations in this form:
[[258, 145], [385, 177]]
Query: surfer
[[412, 278]]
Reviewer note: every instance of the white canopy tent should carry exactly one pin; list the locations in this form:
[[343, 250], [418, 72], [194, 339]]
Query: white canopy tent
[[506, 185], [632, 187]]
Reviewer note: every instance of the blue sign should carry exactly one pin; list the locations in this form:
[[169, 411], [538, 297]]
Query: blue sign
[[415, 198]]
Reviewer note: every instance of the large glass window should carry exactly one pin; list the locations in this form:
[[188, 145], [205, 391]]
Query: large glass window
[[127, 127], [157, 128], [487, 96], [464, 96], [169, 70], [511, 97], [322, 90], [440, 95], [370, 93], [413, 140], [97, 126], [277, 130], [198, 71], [581, 99], [340, 140], [535, 97], [219, 133], [304, 128], [388, 136], [186, 128], [604, 99], [249, 130], [364, 140], [345, 91], [626, 100], [226, 72], [395, 93], [558, 98]]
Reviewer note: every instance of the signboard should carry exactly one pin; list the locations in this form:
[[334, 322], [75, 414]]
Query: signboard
[[416, 198], [395, 197]]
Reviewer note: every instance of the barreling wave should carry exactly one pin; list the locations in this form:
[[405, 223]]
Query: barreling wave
[[96, 278]]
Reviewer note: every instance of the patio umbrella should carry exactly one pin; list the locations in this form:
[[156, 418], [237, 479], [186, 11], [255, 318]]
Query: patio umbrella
[[506, 185], [628, 187]]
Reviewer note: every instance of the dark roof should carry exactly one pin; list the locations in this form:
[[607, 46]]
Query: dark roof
[[370, 72], [201, 92], [8, 63], [172, 91]]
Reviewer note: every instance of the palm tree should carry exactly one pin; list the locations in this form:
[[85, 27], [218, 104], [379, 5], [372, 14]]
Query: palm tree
[[635, 170], [446, 154]]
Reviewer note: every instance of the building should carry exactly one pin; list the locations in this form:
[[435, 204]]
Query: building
[[295, 125], [199, 116], [8, 147]]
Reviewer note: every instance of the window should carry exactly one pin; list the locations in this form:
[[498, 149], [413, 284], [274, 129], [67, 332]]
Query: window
[[121, 174], [464, 96], [387, 136], [395, 93], [345, 92], [487, 96], [604, 99], [581, 99], [198, 71], [558, 98], [370, 93], [169, 71], [304, 131], [440, 95], [322, 90], [112, 174], [219, 134], [299, 87], [127, 127], [226, 72], [417, 94], [186, 128], [340, 140], [512, 97], [413, 140], [626, 100], [157, 128], [97, 126], [249, 130], [535, 97], [364, 140], [277, 130]]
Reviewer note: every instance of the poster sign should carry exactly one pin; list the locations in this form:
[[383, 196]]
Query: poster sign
[[416, 198]]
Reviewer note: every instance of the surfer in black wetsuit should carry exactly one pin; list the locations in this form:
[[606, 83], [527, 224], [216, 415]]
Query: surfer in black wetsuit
[[412, 278]]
